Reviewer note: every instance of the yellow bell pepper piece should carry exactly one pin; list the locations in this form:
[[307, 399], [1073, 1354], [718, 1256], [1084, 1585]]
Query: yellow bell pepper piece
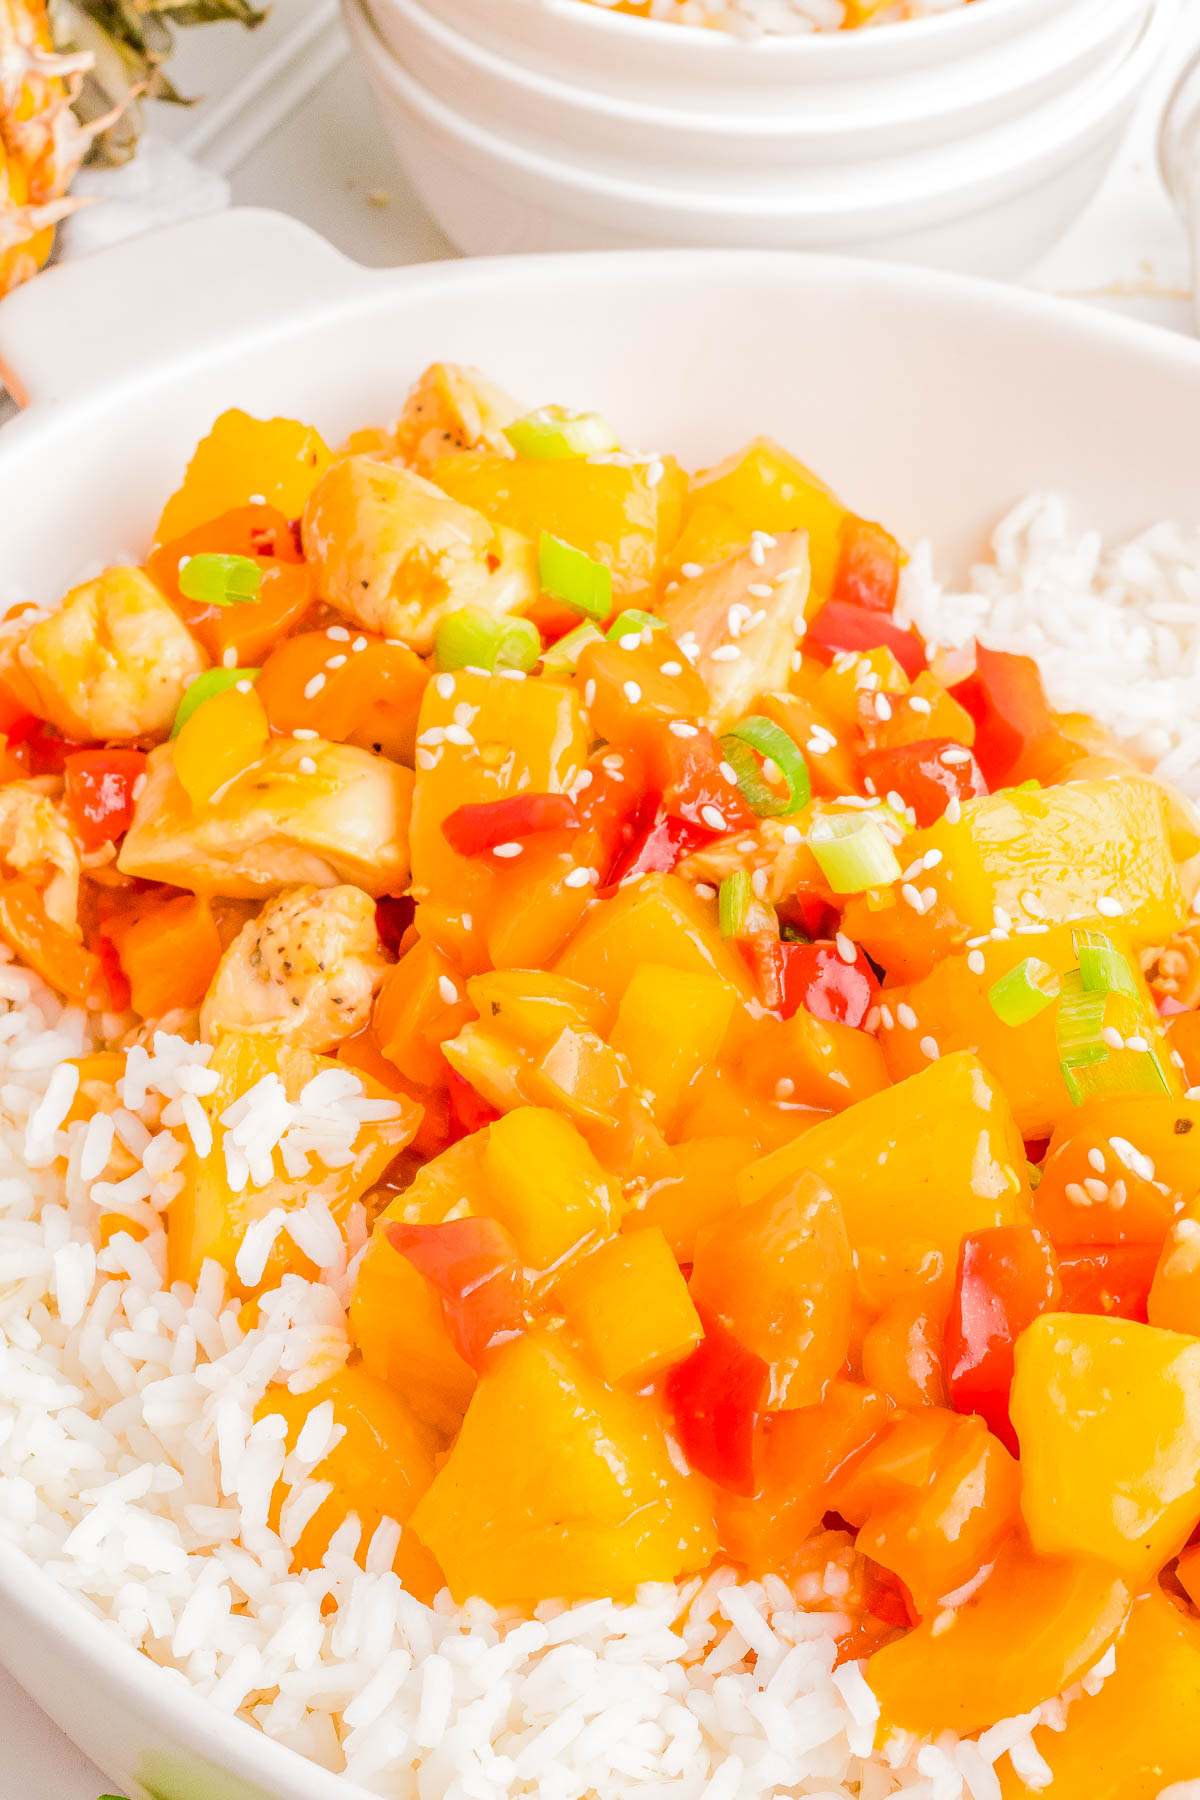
[[1108, 1416], [558, 1486], [380, 1466], [951, 1005], [209, 1218], [531, 1007], [690, 1186], [670, 1025], [1035, 1626], [1174, 1302], [767, 489], [220, 740], [545, 1186], [779, 1274], [656, 919], [907, 1210], [1141, 1732], [279, 459], [629, 1307]]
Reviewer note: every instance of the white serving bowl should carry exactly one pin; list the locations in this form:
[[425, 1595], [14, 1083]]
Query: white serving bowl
[[661, 139], [932, 402], [990, 206], [595, 47]]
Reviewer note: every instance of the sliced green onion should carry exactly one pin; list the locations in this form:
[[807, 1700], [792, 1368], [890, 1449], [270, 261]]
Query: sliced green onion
[[1102, 968], [1024, 992], [213, 579], [770, 740], [1075, 1064], [632, 623], [474, 639], [853, 854], [552, 435], [207, 687], [561, 658], [1080, 1014], [568, 575], [1035, 1175], [733, 904]]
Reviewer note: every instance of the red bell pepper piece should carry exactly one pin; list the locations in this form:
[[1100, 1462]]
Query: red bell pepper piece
[[655, 844], [99, 793], [812, 976], [1006, 1277], [716, 1397], [394, 914], [474, 1265], [886, 1598], [687, 772], [472, 830], [842, 626], [810, 914], [923, 778], [1108, 1278], [471, 1112], [36, 743], [868, 565], [115, 978], [1007, 701]]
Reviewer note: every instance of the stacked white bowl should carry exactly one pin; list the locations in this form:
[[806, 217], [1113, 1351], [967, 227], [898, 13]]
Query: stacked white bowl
[[968, 138]]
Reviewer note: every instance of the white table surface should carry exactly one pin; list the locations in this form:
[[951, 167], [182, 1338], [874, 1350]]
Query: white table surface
[[325, 159]]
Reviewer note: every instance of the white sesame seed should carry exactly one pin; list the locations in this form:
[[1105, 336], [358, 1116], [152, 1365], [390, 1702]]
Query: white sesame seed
[[785, 1087], [681, 729], [929, 896], [258, 499], [1096, 1159], [1136, 1161], [426, 759], [729, 772], [1001, 919], [905, 1016], [758, 555], [910, 894], [577, 878], [139, 788], [183, 563], [932, 858], [919, 704], [714, 818], [305, 734], [458, 734], [953, 756], [629, 640], [690, 570], [883, 707], [672, 668], [510, 674], [725, 653], [336, 662], [468, 923], [654, 472], [792, 834], [929, 1048], [307, 766], [1112, 909], [338, 633], [760, 589], [445, 687], [632, 692], [589, 693], [846, 949], [229, 658], [887, 1018], [705, 891], [312, 688], [976, 962], [242, 687], [758, 884], [360, 643], [506, 850], [953, 811], [447, 990], [1139, 1044], [764, 539]]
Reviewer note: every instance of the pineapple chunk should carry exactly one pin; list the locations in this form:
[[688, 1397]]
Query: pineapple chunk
[[305, 970], [112, 663], [277, 825], [280, 460], [395, 553], [740, 623]]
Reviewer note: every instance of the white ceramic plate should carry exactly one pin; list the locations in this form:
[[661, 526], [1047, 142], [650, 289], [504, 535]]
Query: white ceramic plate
[[931, 401]]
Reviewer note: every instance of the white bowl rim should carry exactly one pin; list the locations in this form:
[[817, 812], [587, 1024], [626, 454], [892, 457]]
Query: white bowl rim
[[608, 108], [947, 26], [247, 1752], [1076, 115]]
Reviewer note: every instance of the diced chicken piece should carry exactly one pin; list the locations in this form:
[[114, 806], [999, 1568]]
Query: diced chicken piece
[[453, 408], [310, 812], [394, 553], [740, 622], [36, 841], [112, 663], [787, 860], [305, 970]]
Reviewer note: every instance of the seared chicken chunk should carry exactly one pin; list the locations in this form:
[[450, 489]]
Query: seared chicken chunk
[[394, 553], [308, 812], [36, 841], [305, 970], [453, 408], [112, 663], [740, 622]]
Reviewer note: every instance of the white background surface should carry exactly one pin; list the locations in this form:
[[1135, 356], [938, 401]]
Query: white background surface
[[288, 119]]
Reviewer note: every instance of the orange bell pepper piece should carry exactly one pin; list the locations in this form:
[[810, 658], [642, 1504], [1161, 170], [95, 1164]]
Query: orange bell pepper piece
[[422, 1003], [249, 630], [46, 947], [690, 1186], [280, 460], [368, 691], [778, 1274], [169, 953], [902, 1352], [1116, 1169], [1174, 1299], [628, 691], [629, 1307], [1183, 1031]]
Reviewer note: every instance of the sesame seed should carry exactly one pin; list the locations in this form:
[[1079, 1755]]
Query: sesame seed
[[360, 643], [447, 990], [705, 891], [680, 729], [758, 884], [1096, 1159], [445, 687], [458, 734], [929, 1048], [507, 850], [577, 878], [929, 896], [258, 499], [729, 772], [758, 555], [919, 704], [932, 858], [312, 688], [510, 674], [797, 660], [725, 653], [426, 759], [714, 818], [690, 570], [307, 766], [139, 787], [338, 633], [305, 733], [764, 540], [242, 687], [1140, 1044], [629, 640], [229, 658], [654, 472], [909, 893], [632, 692], [792, 834], [883, 707], [887, 1018], [589, 693], [953, 811], [845, 948], [1001, 919], [335, 662], [672, 668], [183, 563], [905, 1016], [976, 962], [1112, 909], [1136, 1161], [760, 589], [953, 756]]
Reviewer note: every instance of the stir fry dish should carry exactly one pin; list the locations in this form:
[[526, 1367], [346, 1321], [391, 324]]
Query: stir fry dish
[[770, 1043]]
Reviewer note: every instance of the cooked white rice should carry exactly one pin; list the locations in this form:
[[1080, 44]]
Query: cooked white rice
[[133, 1472], [780, 18]]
